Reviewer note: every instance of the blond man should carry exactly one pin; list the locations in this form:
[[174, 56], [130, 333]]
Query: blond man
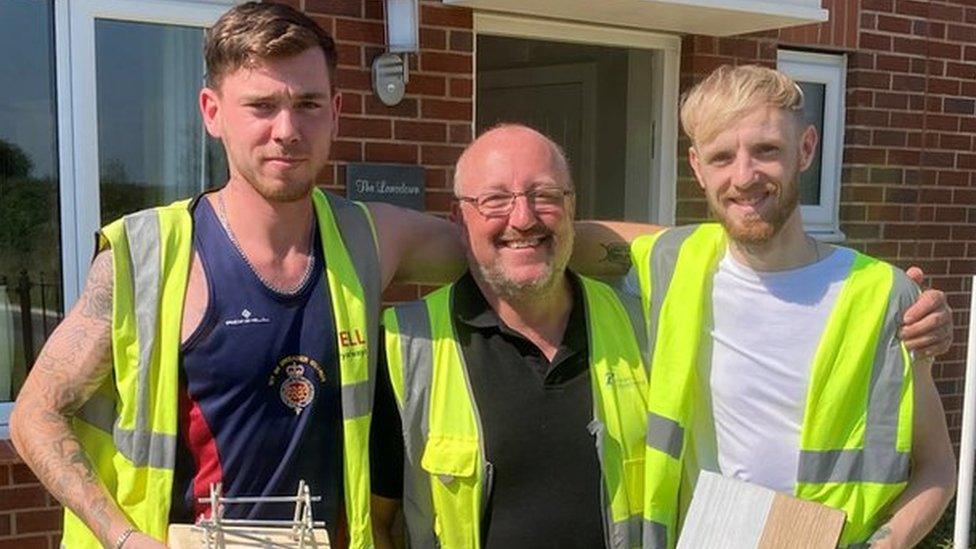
[[776, 358]]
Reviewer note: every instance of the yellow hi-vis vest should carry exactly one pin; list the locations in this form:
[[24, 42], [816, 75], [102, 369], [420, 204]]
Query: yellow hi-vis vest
[[129, 430], [855, 441], [447, 479]]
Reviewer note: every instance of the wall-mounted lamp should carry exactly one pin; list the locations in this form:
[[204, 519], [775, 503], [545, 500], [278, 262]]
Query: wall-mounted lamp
[[391, 70]]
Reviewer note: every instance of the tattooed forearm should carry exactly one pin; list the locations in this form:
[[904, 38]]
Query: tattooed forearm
[[617, 253], [63, 466], [58, 459], [72, 365]]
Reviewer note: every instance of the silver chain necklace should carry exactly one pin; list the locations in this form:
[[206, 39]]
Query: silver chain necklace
[[222, 217]]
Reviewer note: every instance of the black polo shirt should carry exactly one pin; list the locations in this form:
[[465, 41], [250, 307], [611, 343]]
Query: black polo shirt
[[546, 487]]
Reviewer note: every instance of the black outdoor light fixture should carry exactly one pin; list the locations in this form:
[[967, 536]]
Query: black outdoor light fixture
[[391, 70]]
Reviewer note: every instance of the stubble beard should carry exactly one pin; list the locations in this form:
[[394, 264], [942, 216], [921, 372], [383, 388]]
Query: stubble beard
[[756, 229], [496, 277], [278, 193], [287, 194]]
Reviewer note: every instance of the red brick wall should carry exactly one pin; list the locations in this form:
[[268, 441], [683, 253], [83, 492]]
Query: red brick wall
[[839, 31], [432, 124], [909, 166], [909, 161], [29, 517]]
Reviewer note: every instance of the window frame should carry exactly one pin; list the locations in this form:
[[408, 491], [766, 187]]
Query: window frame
[[822, 221], [78, 117]]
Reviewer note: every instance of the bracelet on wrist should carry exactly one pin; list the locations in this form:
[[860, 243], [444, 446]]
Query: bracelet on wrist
[[120, 541]]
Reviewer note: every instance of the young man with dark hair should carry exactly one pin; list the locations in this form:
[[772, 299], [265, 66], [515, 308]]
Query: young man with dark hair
[[230, 338]]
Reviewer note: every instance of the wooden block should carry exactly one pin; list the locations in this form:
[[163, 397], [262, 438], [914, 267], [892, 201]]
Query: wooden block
[[730, 514], [801, 524], [186, 536]]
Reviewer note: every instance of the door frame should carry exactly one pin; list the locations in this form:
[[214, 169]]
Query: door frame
[[74, 32], [664, 138]]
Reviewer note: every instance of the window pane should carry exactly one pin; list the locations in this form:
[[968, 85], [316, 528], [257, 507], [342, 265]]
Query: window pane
[[30, 234], [152, 147], [813, 112]]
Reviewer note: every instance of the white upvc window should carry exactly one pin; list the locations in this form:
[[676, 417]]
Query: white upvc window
[[822, 79]]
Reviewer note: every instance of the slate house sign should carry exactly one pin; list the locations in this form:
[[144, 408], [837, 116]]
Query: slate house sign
[[398, 184]]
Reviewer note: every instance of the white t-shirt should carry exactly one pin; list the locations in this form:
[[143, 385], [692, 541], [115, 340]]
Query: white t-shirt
[[766, 329]]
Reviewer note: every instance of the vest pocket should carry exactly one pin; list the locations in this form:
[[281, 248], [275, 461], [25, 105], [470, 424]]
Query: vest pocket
[[452, 464], [450, 457]]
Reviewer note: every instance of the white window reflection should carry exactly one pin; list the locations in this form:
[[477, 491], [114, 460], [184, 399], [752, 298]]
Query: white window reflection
[[152, 147], [30, 250]]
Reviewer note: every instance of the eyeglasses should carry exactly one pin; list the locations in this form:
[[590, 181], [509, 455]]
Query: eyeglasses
[[500, 204]]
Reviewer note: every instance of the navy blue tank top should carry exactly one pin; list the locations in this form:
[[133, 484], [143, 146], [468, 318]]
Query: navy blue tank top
[[259, 383]]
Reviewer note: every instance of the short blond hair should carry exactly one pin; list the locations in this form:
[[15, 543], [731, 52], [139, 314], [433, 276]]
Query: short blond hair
[[729, 92]]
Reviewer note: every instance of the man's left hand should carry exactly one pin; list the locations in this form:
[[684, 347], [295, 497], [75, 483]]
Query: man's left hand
[[927, 329]]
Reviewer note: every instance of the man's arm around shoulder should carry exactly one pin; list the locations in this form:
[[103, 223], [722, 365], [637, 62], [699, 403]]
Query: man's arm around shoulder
[[76, 360], [415, 247], [602, 248]]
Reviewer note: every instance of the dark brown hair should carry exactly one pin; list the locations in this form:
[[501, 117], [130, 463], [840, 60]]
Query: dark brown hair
[[255, 31]]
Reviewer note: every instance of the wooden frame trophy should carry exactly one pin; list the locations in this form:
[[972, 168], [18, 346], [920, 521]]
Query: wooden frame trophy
[[217, 532], [731, 514]]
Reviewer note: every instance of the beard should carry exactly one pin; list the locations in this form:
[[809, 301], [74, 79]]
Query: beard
[[281, 188], [288, 193], [760, 228], [498, 279]]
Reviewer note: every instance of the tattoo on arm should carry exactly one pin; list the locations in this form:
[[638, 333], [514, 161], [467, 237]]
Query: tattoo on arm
[[96, 300], [72, 365], [880, 534], [617, 253]]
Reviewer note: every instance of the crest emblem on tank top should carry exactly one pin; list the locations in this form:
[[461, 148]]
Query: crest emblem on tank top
[[296, 390]]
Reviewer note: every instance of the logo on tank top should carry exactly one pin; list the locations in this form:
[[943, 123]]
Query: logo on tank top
[[296, 390], [247, 317]]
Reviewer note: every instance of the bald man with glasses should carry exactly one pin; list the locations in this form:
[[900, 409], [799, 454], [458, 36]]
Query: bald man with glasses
[[519, 410]]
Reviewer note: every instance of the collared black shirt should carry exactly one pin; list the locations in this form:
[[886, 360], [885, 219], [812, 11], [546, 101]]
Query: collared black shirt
[[535, 413]]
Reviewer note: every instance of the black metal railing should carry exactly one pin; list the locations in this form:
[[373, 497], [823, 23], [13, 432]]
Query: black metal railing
[[38, 304]]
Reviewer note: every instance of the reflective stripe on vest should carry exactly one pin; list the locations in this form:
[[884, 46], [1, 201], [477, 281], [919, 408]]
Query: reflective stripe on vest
[[446, 471], [131, 441], [856, 435]]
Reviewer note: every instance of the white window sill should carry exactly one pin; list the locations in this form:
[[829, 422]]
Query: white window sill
[[827, 235]]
